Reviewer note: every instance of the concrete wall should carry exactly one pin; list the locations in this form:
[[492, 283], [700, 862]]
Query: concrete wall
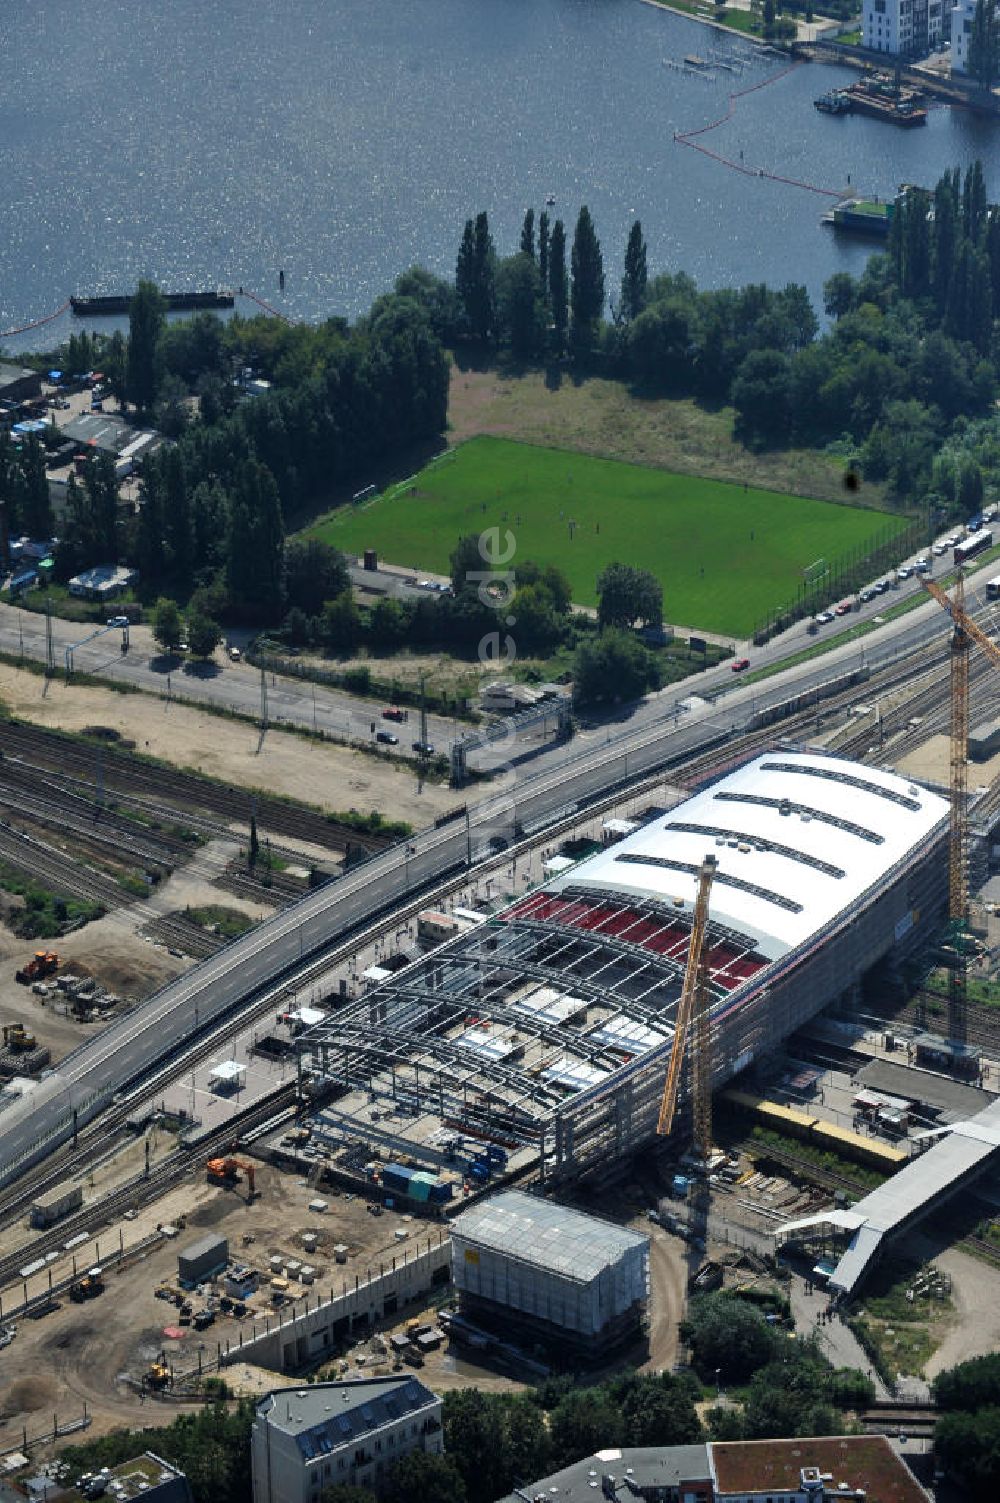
[[315, 1326]]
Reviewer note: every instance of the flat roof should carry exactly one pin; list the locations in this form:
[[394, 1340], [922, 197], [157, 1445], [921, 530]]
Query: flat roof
[[554, 1237], [100, 431], [798, 837], [323, 1416], [760, 1466], [11, 373], [645, 1467], [954, 1097], [966, 1147]]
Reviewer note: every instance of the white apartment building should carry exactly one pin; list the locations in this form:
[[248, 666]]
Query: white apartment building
[[961, 34], [905, 28], [306, 1439]]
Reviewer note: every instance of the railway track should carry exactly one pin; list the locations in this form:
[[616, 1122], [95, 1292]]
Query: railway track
[[125, 775], [143, 1189]]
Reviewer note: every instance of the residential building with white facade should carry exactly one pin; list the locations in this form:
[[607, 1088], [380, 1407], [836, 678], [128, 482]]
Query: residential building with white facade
[[352, 1433], [961, 34], [905, 28]]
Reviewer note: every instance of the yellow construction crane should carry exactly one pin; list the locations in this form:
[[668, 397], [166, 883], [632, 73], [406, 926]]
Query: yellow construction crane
[[694, 1000], [964, 633]]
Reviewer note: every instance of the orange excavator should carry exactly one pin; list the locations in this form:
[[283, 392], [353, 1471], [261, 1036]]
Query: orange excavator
[[43, 963], [226, 1171]]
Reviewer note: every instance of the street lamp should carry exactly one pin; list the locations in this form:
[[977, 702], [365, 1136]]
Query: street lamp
[[718, 1387]]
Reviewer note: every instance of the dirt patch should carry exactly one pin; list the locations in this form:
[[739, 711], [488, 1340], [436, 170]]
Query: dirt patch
[[601, 417], [27, 1394], [287, 764]]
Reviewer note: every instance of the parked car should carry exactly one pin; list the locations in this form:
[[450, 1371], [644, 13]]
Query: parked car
[[823, 618], [940, 549], [905, 571], [867, 594], [843, 608], [387, 738], [425, 748], [393, 712], [235, 655], [740, 665], [118, 621]]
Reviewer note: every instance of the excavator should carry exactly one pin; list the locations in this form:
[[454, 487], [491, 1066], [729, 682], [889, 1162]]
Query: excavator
[[157, 1374], [226, 1171], [17, 1038], [43, 963]]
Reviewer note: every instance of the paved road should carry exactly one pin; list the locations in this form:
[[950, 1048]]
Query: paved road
[[236, 687], [225, 686]]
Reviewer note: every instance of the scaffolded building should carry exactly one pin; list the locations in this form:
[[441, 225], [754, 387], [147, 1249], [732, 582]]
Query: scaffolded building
[[548, 1028]]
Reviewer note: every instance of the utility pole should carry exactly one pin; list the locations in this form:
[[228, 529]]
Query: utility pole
[[50, 655], [263, 701]]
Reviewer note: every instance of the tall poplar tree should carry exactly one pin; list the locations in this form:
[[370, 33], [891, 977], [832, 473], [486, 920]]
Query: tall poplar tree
[[587, 288], [636, 276], [543, 250], [146, 317], [528, 234], [558, 301]]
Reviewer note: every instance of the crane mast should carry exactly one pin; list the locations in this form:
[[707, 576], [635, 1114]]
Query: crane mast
[[694, 1003], [965, 633]]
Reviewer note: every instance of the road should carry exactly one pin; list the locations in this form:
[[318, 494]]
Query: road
[[221, 686], [236, 686]]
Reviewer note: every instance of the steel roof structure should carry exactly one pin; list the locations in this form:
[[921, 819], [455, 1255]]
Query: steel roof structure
[[579, 980]]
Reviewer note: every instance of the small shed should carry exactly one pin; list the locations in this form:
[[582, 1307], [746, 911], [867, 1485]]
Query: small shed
[[556, 865], [202, 1260], [56, 1203], [226, 1077]]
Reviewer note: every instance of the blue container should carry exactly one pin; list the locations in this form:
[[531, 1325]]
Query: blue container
[[680, 1185], [396, 1177], [479, 1171], [496, 1154], [441, 1192]]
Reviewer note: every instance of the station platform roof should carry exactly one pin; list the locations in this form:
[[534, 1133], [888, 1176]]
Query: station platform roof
[[963, 1149]]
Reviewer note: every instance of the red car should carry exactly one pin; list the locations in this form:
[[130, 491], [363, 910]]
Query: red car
[[740, 665], [843, 608], [393, 713]]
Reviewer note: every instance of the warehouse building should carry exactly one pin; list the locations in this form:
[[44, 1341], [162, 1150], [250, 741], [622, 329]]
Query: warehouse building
[[547, 1029], [558, 1275], [307, 1440]]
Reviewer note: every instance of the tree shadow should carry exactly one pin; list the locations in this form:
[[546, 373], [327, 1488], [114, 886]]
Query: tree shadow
[[202, 668], [165, 662]]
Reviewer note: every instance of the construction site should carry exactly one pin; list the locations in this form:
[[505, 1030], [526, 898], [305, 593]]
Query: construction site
[[726, 1011]]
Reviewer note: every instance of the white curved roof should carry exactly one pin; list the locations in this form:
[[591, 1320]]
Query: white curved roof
[[798, 838]]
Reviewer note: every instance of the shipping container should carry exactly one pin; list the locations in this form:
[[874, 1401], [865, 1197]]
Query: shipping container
[[202, 1260]]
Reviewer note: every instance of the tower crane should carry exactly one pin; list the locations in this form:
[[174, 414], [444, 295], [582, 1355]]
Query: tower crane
[[964, 632], [694, 1002]]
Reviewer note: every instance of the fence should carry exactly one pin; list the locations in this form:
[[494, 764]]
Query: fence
[[845, 574]]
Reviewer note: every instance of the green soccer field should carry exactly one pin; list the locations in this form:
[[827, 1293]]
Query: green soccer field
[[724, 555]]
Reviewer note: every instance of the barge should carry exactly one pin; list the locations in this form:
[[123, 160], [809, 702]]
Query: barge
[[177, 302]]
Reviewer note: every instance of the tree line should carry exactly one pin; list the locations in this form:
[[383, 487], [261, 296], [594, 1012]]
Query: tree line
[[910, 354]]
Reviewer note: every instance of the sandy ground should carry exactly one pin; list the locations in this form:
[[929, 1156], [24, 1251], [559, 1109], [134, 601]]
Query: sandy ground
[[114, 952], [329, 776], [975, 1292], [932, 761], [81, 1353]]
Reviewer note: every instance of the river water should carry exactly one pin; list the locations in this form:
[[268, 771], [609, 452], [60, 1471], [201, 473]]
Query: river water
[[210, 144]]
